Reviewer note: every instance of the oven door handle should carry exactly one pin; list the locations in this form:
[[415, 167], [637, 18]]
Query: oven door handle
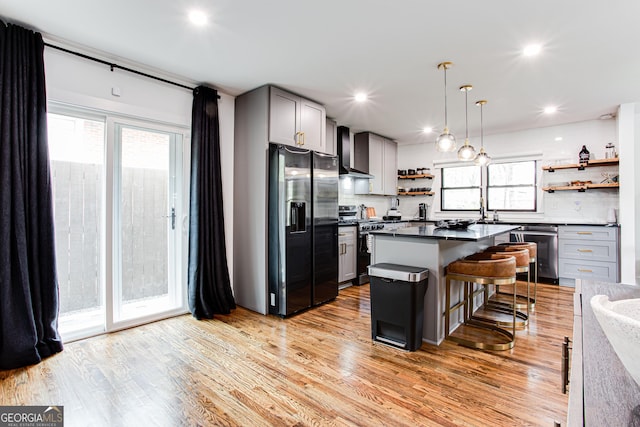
[[363, 243]]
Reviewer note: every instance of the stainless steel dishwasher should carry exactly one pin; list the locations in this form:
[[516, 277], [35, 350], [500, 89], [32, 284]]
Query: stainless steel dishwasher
[[546, 236]]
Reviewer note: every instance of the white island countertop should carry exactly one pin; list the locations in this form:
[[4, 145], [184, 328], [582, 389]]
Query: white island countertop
[[472, 233]]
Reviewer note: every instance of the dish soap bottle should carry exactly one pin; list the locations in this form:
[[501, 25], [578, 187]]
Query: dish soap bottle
[[584, 155]]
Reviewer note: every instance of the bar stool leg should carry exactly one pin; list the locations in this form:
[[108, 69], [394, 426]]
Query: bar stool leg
[[535, 285], [447, 307]]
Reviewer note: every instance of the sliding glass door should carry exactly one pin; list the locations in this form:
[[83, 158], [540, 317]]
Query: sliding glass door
[[76, 152], [146, 220], [118, 191]]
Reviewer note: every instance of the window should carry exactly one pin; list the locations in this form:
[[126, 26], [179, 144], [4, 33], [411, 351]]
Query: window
[[508, 186], [460, 190], [511, 186]]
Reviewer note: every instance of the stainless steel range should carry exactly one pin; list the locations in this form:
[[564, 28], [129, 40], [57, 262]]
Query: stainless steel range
[[364, 244], [364, 249], [350, 214]]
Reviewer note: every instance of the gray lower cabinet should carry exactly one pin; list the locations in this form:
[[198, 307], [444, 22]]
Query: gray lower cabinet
[[588, 252], [294, 120], [347, 264]]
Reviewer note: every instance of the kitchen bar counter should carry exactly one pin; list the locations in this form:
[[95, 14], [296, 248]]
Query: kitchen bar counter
[[514, 222], [433, 249], [473, 233]]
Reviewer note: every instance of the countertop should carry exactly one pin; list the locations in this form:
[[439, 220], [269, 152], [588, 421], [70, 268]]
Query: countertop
[[487, 221], [609, 393], [472, 233]]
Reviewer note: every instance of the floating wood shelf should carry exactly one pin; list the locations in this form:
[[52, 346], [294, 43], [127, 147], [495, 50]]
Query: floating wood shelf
[[426, 175], [581, 187], [591, 163], [416, 193]]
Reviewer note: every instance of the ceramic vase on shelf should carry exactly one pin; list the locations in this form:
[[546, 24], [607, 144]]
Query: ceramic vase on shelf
[[584, 155]]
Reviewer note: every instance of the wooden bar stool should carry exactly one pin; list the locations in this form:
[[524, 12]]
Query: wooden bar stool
[[533, 254], [522, 266], [484, 269]]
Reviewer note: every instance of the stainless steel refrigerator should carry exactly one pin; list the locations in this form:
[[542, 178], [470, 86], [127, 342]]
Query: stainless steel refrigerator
[[303, 229]]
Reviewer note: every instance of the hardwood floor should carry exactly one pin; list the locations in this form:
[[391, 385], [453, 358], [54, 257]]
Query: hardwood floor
[[317, 368]]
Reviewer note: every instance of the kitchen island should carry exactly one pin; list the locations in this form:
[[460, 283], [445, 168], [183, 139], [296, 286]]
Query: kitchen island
[[434, 248]]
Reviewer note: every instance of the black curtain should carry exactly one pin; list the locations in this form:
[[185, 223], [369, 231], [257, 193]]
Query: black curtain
[[28, 278], [209, 285]]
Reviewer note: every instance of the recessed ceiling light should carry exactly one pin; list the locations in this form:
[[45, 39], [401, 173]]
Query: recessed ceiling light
[[558, 138], [550, 110], [197, 17], [532, 50], [428, 129], [361, 97]]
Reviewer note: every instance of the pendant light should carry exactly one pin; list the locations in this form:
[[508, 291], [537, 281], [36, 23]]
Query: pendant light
[[446, 141], [482, 159], [466, 153]]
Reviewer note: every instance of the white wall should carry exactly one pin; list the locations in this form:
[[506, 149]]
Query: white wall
[[570, 206], [79, 82], [567, 206], [629, 137]]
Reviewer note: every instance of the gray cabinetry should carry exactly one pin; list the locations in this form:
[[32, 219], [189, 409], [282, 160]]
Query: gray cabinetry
[[587, 252], [347, 253], [331, 144], [390, 168], [265, 114], [383, 162], [297, 121]]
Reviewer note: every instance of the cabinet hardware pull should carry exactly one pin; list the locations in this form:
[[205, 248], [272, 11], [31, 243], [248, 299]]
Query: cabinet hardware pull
[[584, 270], [585, 250], [302, 134], [565, 364], [585, 232], [297, 141]]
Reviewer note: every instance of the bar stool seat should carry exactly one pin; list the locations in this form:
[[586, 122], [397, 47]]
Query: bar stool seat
[[483, 269], [533, 257], [522, 266]]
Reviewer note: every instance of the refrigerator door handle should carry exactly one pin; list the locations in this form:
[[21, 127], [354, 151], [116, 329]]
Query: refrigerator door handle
[[293, 217]]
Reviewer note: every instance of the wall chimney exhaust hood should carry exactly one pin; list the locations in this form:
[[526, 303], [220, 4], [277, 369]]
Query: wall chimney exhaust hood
[[344, 156]]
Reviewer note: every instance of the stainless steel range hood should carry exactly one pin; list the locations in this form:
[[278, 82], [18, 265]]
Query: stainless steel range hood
[[344, 156]]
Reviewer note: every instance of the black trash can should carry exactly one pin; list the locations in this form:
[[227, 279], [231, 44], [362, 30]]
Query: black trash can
[[397, 304]]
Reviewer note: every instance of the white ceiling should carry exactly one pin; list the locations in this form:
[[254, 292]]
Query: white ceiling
[[327, 50]]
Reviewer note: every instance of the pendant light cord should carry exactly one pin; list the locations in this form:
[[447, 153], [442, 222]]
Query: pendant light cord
[[445, 98], [481, 127], [466, 115]]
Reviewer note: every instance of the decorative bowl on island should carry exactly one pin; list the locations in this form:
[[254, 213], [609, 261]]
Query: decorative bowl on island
[[620, 321]]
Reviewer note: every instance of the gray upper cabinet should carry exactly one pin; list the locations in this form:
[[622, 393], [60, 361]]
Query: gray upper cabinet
[[331, 143], [296, 121], [390, 174], [383, 162]]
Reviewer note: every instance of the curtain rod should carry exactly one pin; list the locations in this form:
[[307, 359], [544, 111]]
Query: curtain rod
[[113, 66]]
